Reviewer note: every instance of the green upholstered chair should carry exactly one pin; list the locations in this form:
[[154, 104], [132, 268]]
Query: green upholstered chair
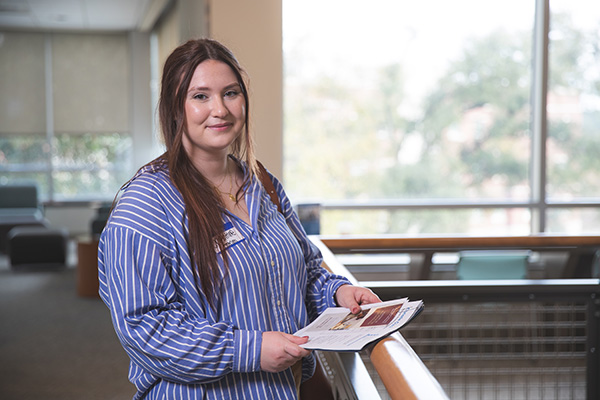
[[488, 264]]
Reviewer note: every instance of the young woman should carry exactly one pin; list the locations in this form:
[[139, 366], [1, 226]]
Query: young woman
[[205, 279]]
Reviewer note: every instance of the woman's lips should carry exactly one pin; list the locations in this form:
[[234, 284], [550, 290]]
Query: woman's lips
[[220, 127]]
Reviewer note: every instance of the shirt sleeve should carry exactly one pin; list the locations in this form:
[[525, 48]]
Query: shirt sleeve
[[321, 284], [153, 325]]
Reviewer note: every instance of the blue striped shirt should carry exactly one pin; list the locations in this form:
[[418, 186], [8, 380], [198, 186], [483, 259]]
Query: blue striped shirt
[[180, 347]]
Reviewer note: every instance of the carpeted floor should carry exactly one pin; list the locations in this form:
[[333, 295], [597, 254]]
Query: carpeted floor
[[54, 344]]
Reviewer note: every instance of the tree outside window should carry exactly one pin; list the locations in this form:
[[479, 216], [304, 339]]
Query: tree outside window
[[407, 108]]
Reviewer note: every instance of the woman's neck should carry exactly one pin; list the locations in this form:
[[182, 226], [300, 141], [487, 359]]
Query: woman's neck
[[215, 170]]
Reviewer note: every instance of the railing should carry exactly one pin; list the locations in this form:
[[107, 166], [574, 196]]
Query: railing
[[581, 249], [400, 370], [534, 339], [485, 336]]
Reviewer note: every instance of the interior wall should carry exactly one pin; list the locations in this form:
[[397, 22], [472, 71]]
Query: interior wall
[[252, 30], [184, 20]]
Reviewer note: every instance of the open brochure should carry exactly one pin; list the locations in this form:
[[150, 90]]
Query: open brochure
[[336, 329]]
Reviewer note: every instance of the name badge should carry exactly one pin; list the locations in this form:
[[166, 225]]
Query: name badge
[[231, 236]]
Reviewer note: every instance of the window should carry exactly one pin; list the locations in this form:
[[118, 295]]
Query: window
[[421, 117], [573, 115], [64, 107]]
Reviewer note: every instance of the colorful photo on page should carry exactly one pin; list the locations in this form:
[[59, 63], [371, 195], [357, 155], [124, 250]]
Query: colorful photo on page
[[382, 316], [349, 321]]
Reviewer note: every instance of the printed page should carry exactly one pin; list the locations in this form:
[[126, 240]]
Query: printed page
[[337, 329]]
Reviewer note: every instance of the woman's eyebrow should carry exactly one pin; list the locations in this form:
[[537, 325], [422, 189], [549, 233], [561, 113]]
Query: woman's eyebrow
[[205, 88]]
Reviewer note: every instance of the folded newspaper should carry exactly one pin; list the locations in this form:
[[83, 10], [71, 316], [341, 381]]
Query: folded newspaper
[[336, 329]]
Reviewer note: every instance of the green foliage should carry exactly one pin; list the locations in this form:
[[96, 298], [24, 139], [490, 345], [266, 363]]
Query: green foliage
[[85, 166], [574, 140], [22, 149], [348, 139], [92, 165]]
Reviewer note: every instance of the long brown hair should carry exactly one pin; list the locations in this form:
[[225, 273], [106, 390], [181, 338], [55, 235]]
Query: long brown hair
[[202, 202]]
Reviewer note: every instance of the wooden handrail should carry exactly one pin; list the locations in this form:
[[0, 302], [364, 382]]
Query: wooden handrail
[[381, 243], [402, 372], [577, 246]]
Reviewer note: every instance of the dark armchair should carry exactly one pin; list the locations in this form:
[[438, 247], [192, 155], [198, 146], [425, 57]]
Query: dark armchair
[[19, 206]]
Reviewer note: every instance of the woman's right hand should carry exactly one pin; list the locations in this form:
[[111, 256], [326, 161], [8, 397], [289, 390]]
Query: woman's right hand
[[279, 351]]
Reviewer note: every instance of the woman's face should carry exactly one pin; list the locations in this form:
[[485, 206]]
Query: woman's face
[[214, 110]]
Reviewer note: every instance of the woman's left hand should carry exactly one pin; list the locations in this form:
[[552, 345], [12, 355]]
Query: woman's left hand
[[352, 297]]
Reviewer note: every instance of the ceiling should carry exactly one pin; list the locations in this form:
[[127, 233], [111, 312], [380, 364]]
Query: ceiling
[[81, 15]]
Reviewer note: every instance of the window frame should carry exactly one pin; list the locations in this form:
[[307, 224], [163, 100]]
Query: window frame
[[539, 204]]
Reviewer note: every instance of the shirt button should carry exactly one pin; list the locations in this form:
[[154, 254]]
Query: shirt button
[[272, 263], [278, 302]]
